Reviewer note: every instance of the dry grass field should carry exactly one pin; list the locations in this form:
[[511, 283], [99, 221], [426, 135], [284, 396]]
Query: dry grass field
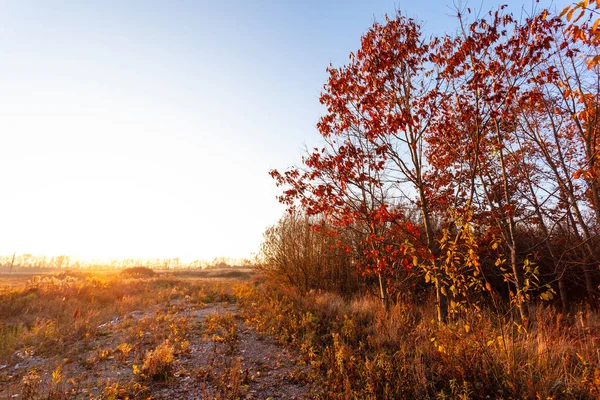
[[139, 334], [358, 350], [136, 334]]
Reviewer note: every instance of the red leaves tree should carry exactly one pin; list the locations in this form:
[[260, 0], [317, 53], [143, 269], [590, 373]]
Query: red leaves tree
[[473, 132], [488, 69], [377, 110]]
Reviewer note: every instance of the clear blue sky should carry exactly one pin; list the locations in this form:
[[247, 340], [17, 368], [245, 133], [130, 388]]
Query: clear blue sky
[[147, 128]]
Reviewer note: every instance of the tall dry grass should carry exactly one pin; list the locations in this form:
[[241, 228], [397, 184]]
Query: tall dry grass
[[48, 312], [360, 351]]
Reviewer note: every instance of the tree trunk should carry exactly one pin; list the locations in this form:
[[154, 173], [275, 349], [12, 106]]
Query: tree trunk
[[441, 303], [385, 300], [562, 290], [589, 285], [12, 263], [518, 282]]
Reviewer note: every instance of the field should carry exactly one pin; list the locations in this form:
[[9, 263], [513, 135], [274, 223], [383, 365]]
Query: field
[[142, 334]]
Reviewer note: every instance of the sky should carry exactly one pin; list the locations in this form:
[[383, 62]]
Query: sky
[[147, 128]]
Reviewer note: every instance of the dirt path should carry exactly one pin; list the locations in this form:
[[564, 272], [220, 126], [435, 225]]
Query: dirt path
[[253, 367], [217, 357]]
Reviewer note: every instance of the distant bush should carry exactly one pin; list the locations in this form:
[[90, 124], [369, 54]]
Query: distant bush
[[235, 274], [138, 271], [72, 274]]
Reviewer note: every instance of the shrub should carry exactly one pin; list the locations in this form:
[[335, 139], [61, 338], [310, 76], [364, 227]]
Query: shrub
[[31, 385], [158, 363], [138, 271]]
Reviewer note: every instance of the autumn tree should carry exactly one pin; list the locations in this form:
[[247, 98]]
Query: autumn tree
[[491, 134], [583, 26], [560, 125], [378, 109]]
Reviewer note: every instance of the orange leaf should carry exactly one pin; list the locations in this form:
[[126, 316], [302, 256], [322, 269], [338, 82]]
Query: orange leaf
[[566, 10], [581, 14]]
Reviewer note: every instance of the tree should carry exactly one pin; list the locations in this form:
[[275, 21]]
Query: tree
[[378, 109], [489, 68], [585, 30], [491, 134]]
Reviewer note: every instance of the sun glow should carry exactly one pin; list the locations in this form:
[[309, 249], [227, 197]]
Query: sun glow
[[113, 192]]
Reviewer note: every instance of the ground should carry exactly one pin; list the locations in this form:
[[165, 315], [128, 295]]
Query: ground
[[214, 355]]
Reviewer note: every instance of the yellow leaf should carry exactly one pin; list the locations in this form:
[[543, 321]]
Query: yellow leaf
[[588, 175], [570, 14], [592, 62], [566, 10], [467, 328], [595, 26]]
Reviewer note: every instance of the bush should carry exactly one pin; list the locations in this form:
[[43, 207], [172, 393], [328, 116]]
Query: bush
[[158, 363], [138, 271], [31, 385]]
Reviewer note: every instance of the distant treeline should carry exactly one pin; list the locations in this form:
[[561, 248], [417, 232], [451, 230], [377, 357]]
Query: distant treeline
[[36, 263]]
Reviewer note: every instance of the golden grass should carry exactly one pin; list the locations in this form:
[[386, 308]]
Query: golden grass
[[65, 322], [358, 350], [355, 348], [158, 363], [49, 311]]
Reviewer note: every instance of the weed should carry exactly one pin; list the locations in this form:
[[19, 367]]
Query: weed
[[158, 363], [31, 385], [124, 349]]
